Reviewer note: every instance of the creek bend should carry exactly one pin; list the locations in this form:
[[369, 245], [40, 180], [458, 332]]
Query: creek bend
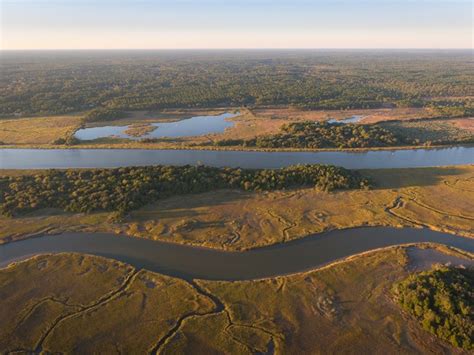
[[190, 262]]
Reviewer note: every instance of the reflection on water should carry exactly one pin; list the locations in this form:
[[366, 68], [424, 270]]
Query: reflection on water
[[353, 119], [194, 126], [193, 262], [423, 259], [108, 158]]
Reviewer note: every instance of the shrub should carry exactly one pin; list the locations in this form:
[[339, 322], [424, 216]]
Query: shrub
[[443, 302], [310, 134], [59, 141], [103, 114], [125, 189]]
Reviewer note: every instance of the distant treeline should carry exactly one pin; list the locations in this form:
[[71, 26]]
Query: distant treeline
[[443, 301], [51, 83], [126, 189]]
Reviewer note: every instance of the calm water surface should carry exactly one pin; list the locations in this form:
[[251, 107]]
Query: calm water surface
[[352, 119], [193, 262], [108, 158], [194, 126]]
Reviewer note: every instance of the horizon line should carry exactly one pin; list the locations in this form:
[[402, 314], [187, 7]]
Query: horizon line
[[235, 48]]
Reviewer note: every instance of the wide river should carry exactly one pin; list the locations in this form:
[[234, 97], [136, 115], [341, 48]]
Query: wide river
[[108, 158], [194, 262]]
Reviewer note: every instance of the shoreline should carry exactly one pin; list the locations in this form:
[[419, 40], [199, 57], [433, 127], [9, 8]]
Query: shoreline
[[460, 253], [145, 146], [239, 273], [458, 233]]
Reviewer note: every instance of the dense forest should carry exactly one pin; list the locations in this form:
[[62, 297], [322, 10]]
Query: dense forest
[[40, 83], [311, 134], [125, 189], [443, 301]]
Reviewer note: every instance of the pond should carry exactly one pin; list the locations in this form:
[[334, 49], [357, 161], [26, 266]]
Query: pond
[[108, 158], [352, 119], [195, 262], [194, 126]]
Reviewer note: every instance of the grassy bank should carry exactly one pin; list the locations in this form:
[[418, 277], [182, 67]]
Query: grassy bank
[[436, 198], [84, 303]]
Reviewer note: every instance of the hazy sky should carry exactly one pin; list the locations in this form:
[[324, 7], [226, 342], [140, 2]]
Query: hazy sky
[[41, 24]]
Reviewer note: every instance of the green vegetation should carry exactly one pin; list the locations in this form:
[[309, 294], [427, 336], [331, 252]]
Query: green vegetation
[[103, 114], [69, 140], [126, 189], [443, 301], [54, 83], [311, 134]]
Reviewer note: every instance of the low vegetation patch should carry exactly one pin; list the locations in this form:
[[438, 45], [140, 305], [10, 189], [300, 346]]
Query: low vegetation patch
[[126, 189], [69, 140], [429, 132], [103, 114], [139, 129], [443, 301], [38, 130]]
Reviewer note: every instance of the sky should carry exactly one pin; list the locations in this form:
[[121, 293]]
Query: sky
[[166, 24]]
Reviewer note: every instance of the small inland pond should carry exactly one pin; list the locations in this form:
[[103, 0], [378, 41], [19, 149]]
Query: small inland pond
[[352, 119], [195, 262], [194, 126]]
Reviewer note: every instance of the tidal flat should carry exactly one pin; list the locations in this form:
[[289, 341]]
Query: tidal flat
[[80, 303]]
